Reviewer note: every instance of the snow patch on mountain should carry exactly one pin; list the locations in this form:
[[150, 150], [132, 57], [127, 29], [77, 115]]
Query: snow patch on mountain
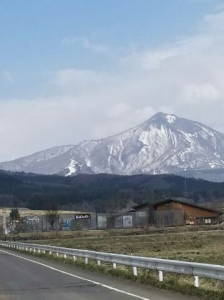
[[164, 143], [171, 118], [72, 167]]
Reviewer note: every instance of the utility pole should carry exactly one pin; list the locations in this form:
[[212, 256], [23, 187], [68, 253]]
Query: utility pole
[[4, 222], [185, 187]]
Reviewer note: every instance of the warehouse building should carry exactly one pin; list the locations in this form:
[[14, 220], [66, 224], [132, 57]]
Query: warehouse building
[[177, 212], [181, 212]]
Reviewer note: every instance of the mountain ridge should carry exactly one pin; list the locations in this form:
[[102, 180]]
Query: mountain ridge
[[163, 143]]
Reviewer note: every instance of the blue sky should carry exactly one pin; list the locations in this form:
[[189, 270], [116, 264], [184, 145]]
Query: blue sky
[[32, 33], [80, 69]]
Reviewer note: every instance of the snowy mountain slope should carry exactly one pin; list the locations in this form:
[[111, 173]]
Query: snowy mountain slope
[[162, 144]]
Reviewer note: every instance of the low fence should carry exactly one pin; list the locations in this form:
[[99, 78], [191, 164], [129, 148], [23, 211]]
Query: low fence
[[161, 265], [101, 221]]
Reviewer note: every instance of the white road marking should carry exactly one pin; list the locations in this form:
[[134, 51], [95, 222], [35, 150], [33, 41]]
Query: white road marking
[[78, 277]]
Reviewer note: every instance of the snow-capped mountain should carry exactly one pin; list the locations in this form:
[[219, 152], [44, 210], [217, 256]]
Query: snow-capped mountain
[[162, 144]]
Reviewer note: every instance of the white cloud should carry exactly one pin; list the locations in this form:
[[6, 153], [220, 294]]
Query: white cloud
[[75, 80], [86, 44], [185, 77]]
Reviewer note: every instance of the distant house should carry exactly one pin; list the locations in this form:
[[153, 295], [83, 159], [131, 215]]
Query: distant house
[[176, 212], [188, 213], [32, 220]]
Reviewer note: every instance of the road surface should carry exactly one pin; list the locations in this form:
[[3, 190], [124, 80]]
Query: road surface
[[27, 277]]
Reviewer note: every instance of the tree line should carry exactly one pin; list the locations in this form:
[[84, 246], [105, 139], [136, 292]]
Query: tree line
[[101, 192]]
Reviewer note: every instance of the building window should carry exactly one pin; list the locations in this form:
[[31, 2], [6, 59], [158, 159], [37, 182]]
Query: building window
[[208, 221], [199, 221], [169, 206]]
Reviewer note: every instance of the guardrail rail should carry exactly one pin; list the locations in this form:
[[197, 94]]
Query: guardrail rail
[[161, 265]]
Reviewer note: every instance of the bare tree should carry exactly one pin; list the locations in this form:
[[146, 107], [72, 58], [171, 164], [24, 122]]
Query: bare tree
[[52, 214]]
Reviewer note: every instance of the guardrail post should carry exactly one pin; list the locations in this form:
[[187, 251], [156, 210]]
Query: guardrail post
[[98, 262], [44, 251], [57, 254], [34, 250], [160, 275], [50, 252], [196, 281], [86, 260], [135, 271], [65, 256], [114, 265], [38, 250], [74, 257]]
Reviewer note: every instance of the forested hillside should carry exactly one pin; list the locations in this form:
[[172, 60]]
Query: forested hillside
[[101, 192]]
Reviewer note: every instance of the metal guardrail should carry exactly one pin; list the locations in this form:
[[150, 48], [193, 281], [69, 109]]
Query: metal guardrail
[[174, 266]]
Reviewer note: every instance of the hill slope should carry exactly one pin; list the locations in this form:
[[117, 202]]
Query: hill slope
[[102, 192], [162, 144]]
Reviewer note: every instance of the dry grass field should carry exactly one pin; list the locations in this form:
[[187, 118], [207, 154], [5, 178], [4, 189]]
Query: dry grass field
[[205, 247]]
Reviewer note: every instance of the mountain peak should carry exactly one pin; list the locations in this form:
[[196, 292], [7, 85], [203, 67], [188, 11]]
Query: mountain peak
[[162, 117], [162, 144]]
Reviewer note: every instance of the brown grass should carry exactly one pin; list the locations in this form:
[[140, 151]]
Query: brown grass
[[205, 247]]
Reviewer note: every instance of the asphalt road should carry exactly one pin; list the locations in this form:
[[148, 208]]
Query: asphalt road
[[24, 277]]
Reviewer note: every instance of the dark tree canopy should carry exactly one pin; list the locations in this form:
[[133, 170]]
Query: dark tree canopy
[[102, 192], [14, 214]]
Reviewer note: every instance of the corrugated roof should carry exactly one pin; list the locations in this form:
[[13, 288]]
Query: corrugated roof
[[142, 205], [186, 201], [179, 200]]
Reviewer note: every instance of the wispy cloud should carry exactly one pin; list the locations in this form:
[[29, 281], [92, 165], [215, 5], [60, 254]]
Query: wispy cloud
[[86, 43], [185, 77]]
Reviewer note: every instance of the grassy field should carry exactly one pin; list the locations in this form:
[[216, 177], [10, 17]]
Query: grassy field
[[205, 247]]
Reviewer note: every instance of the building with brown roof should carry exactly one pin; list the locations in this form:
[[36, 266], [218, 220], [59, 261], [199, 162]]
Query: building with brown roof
[[193, 214], [178, 212]]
